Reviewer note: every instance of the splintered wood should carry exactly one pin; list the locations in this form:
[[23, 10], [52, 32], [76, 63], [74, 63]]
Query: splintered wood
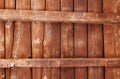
[[59, 39]]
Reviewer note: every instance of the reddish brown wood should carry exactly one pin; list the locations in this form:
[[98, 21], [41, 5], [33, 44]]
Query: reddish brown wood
[[67, 40], [112, 38], [80, 34], [52, 41], [37, 37], [95, 41], [58, 62], [57, 16], [22, 45], [9, 25], [2, 45]]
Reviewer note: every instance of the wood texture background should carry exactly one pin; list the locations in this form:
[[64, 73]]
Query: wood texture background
[[19, 39]]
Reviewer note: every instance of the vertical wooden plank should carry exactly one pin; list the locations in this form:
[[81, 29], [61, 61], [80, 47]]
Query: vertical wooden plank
[[37, 37], [67, 40], [52, 41], [22, 46], [80, 39], [112, 38], [9, 25], [2, 45], [95, 41]]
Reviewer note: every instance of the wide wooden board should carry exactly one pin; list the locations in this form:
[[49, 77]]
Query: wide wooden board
[[95, 40], [112, 38], [80, 39]]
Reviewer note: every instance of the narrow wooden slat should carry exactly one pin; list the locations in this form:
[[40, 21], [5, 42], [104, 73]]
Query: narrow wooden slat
[[112, 38], [57, 62], [52, 41], [9, 26], [22, 45], [95, 41], [57, 16], [37, 37], [67, 40], [2, 40], [80, 34]]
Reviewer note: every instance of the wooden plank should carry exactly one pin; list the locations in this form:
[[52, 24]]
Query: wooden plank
[[52, 41], [95, 41], [58, 62], [80, 39], [22, 45], [57, 16], [67, 40], [2, 45], [112, 38], [37, 37], [9, 26]]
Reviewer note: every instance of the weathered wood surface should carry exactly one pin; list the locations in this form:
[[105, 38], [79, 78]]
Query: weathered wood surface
[[67, 40], [57, 16], [37, 31], [112, 38], [2, 40], [46, 47], [58, 62], [95, 40], [9, 27], [22, 44], [52, 41], [80, 39]]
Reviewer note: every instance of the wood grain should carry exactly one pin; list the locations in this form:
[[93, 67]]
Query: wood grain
[[9, 28], [2, 38], [80, 39], [95, 41], [22, 45], [58, 62], [52, 41], [67, 40], [37, 37], [112, 38], [58, 16]]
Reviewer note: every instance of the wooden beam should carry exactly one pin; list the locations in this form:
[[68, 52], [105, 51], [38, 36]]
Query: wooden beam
[[57, 16], [57, 62]]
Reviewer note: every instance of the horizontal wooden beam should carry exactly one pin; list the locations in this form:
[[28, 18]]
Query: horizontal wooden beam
[[63, 62], [57, 16]]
